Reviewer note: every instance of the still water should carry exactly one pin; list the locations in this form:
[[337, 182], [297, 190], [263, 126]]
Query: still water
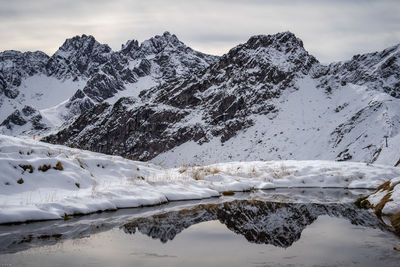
[[245, 230]]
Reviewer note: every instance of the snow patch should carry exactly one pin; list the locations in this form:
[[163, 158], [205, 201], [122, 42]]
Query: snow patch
[[32, 187]]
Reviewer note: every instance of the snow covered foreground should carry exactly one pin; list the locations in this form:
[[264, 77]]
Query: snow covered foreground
[[391, 192], [42, 181]]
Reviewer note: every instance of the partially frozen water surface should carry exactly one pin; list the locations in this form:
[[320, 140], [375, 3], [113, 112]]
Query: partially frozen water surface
[[287, 227]]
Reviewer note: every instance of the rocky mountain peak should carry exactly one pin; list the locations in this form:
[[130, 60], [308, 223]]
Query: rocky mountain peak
[[101, 72], [15, 56], [158, 43], [224, 95], [80, 55], [164, 57], [154, 45], [85, 44], [15, 65], [242, 99], [282, 52], [282, 39], [130, 45], [29, 62], [380, 71]]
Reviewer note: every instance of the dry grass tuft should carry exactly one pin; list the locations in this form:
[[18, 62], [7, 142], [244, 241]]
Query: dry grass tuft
[[59, 166], [27, 167], [384, 186], [80, 163], [363, 203], [183, 169], [66, 217], [212, 170], [395, 221], [44, 168], [198, 173], [281, 172], [228, 193], [378, 208]]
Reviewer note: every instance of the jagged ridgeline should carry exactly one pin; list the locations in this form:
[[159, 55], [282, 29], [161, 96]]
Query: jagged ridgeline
[[85, 73], [214, 102], [265, 99]]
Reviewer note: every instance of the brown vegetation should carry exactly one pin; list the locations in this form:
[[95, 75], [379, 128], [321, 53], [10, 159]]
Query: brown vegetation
[[27, 167], [395, 221], [378, 208], [44, 168], [228, 193], [59, 166]]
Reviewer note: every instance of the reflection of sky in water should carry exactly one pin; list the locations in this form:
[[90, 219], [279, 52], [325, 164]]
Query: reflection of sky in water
[[331, 30], [328, 241]]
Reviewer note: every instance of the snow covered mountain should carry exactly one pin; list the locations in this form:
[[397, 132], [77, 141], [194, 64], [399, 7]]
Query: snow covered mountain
[[83, 73], [266, 99]]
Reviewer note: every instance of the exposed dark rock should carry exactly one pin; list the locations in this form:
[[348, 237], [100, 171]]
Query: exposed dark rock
[[197, 97], [77, 57], [134, 133], [37, 122], [102, 86], [28, 110], [224, 94], [378, 71], [79, 94], [14, 66], [104, 71], [26, 115], [345, 128], [144, 68], [15, 118]]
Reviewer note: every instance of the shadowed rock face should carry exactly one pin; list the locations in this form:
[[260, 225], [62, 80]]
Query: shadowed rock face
[[161, 57], [14, 66], [105, 72], [27, 115], [378, 71], [278, 224], [200, 98], [217, 101], [135, 133], [232, 92]]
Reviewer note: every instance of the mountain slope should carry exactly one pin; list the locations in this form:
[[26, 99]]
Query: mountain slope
[[379, 71], [266, 99], [83, 73], [214, 102]]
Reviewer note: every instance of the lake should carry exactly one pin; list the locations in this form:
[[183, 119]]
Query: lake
[[283, 227]]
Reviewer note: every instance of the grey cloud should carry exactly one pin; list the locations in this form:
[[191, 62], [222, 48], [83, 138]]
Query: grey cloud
[[331, 30]]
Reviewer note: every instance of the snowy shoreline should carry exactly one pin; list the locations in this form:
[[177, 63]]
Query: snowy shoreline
[[40, 181]]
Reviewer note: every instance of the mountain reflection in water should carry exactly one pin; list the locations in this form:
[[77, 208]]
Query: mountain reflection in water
[[275, 217], [278, 224], [269, 228]]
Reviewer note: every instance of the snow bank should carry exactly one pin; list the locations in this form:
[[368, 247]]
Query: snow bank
[[42, 181], [389, 196]]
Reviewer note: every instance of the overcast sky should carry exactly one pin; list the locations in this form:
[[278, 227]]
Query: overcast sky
[[331, 30]]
